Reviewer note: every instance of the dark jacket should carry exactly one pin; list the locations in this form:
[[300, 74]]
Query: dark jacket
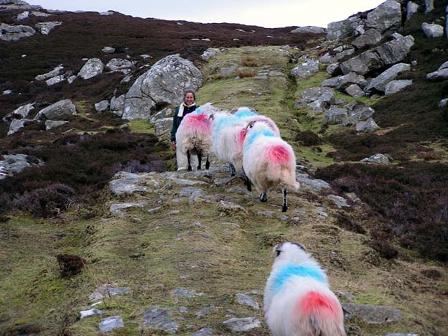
[[177, 120]]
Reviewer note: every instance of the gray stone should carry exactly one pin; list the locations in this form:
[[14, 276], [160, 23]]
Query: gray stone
[[210, 53], [185, 293], [62, 110], [102, 106], [336, 115], [362, 63], [228, 71], [354, 90], [159, 319], [17, 124], [429, 6], [163, 114], [204, 332], [22, 112], [341, 82], [111, 323], [163, 127], [339, 201], [125, 183], [118, 64], [15, 33], [323, 95], [333, 69], [107, 13], [55, 80], [163, 84], [40, 14], [396, 50], [116, 209], [53, 73], [342, 29], [108, 50], [92, 68], [71, 79], [50, 124], [443, 103], [377, 159], [344, 54], [183, 182], [386, 16], [432, 30], [327, 59], [309, 30], [379, 83], [367, 126], [23, 16], [7, 92], [247, 300], [441, 73], [126, 79], [108, 290], [396, 86], [117, 105], [89, 313], [14, 163], [242, 324], [46, 27], [306, 182], [411, 9], [306, 68], [192, 193], [372, 314], [370, 38], [358, 112]]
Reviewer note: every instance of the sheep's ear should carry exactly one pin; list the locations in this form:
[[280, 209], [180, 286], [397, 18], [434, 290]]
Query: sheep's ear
[[300, 246], [211, 116], [251, 124], [277, 250]]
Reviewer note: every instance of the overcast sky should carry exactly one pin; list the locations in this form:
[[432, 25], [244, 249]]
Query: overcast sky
[[266, 13]]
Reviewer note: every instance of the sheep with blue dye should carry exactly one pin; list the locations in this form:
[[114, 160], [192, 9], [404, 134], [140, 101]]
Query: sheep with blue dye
[[297, 297], [268, 161]]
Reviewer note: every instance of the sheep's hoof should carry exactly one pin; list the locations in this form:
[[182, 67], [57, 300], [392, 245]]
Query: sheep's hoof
[[207, 165], [284, 208], [189, 168], [199, 167], [263, 197]]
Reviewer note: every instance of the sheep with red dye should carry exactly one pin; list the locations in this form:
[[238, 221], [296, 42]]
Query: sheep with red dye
[[268, 161], [297, 297], [194, 135]]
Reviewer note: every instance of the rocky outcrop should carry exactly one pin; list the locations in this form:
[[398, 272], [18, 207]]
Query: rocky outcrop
[[161, 85], [15, 163], [309, 30], [341, 82], [317, 98], [15, 33], [46, 27], [396, 86], [432, 30], [386, 16], [117, 105], [379, 83], [62, 110], [102, 106], [17, 124], [306, 68], [92, 68], [367, 126], [370, 38]]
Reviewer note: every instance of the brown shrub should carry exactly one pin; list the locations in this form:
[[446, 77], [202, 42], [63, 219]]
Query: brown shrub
[[249, 61], [308, 138], [244, 73]]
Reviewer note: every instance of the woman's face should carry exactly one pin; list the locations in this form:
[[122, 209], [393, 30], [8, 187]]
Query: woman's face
[[189, 98]]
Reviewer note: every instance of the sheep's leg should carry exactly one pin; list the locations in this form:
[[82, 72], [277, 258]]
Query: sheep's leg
[[264, 197], [232, 170], [247, 182], [189, 160], [199, 153], [207, 163], [285, 201]]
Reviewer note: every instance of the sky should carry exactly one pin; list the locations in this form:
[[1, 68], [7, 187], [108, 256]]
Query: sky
[[265, 13]]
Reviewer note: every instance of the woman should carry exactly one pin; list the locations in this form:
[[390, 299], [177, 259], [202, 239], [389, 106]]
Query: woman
[[188, 106]]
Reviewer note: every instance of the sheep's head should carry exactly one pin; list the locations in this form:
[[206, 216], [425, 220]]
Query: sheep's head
[[290, 252]]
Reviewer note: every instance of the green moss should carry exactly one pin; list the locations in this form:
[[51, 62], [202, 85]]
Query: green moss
[[141, 126]]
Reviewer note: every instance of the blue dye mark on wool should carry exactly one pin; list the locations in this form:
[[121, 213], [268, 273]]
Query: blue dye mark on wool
[[253, 135], [290, 271], [244, 112], [222, 122]]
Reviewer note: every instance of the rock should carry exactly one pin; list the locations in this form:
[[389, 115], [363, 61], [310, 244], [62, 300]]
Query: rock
[[71, 79], [309, 30], [341, 82], [377, 159], [108, 50], [40, 14], [441, 73], [370, 38], [89, 313], [127, 183], [411, 9], [46, 27], [15, 33], [53, 73], [336, 115], [14, 163], [181, 181], [23, 16], [339, 201], [17, 124], [333, 69], [242, 324], [342, 29], [327, 59], [344, 54], [324, 95], [372, 314], [108, 290], [209, 53], [163, 84], [429, 6], [62, 110], [358, 112], [379, 83], [55, 80], [163, 127], [117, 105], [366, 126], [50, 124], [204, 332], [117, 64], [92, 68], [230, 208], [306, 182], [107, 13], [432, 30], [159, 319], [192, 193], [354, 90], [247, 300], [386, 16], [116, 209], [111, 323], [22, 112], [306, 68], [165, 113], [401, 334], [145, 57], [7, 92], [102, 106], [396, 86], [185, 293], [228, 71], [443, 103]]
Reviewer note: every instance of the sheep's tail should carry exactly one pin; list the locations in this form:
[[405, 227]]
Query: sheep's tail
[[319, 315], [283, 159]]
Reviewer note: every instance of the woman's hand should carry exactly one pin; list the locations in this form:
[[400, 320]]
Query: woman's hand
[[173, 145]]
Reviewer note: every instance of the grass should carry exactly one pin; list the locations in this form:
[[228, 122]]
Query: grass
[[141, 126]]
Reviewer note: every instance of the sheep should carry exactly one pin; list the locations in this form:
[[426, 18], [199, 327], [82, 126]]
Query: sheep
[[228, 136], [297, 298], [268, 161], [194, 135]]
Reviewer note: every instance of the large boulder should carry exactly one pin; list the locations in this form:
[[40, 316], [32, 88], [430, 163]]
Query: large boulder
[[62, 110], [432, 30], [117, 105], [336, 115], [306, 68], [370, 38], [20, 112], [379, 83], [17, 124], [15, 33], [343, 29], [92, 68], [386, 16], [367, 126], [396, 86], [46, 27], [161, 85], [396, 50], [317, 98]]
